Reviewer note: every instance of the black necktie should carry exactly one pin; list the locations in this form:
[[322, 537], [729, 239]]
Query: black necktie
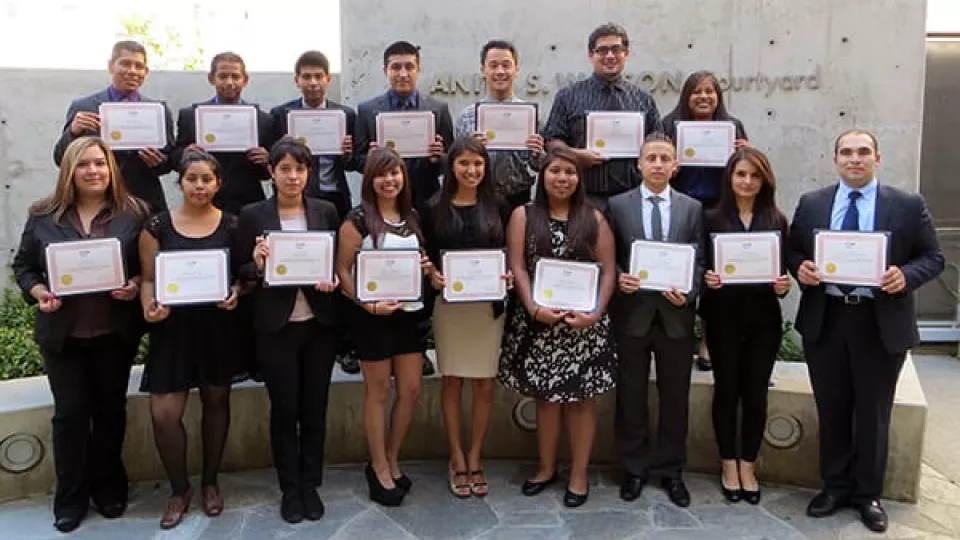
[[656, 220], [851, 222]]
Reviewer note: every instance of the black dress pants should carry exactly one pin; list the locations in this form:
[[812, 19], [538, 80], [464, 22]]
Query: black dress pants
[[296, 363], [854, 382], [88, 378]]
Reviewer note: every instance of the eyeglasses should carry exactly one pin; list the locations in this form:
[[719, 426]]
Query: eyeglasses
[[604, 50]]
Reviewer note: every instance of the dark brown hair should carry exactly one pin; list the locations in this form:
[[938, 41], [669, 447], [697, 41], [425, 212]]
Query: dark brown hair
[[608, 29], [582, 227], [129, 46], [382, 161], [873, 139], [682, 110], [227, 57], [765, 211], [447, 223], [312, 59]]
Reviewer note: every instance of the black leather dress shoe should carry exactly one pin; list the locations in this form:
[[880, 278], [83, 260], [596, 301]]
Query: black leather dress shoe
[[632, 487], [677, 491], [291, 507], [531, 488], [825, 504], [312, 505], [573, 500], [67, 524], [111, 510], [873, 515]]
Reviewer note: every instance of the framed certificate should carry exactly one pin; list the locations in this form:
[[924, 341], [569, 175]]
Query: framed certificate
[[615, 134], [850, 257], [299, 258], [507, 126], [85, 266], [705, 144], [389, 275], [191, 276], [226, 128], [322, 130], [566, 285], [407, 133], [133, 125], [662, 266], [746, 257], [474, 275]]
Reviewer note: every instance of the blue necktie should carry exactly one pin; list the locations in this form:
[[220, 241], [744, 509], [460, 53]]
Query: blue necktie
[[851, 222]]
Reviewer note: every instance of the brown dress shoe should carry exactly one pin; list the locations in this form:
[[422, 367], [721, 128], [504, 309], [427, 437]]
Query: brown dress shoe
[[212, 501], [177, 506]]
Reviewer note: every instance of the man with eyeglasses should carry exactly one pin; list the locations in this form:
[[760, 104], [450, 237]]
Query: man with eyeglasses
[[606, 90]]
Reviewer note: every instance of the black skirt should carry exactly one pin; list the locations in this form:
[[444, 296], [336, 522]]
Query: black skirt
[[378, 337]]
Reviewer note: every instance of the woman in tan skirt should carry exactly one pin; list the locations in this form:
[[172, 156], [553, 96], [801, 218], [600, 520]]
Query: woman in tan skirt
[[466, 215]]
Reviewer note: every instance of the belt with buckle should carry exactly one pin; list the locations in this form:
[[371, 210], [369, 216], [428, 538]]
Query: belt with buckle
[[852, 299]]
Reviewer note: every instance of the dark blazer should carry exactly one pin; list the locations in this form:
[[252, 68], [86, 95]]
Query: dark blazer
[[633, 314], [274, 304], [30, 269], [141, 181], [913, 247], [241, 178], [424, 175], [341, 197]]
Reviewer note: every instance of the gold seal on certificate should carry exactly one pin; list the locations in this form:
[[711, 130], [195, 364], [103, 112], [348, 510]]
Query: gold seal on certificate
[[663, 266], [474, 275], [705, 144], [408, 133], [85, 266], [191, 276], [299, 258], [566, 285], [507, 126], [388, 275], [615, 134], [226, 128], [851, 257], [322, 130], [747, 257], [133, 125]]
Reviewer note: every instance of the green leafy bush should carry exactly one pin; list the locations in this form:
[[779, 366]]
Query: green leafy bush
[[19, 355]]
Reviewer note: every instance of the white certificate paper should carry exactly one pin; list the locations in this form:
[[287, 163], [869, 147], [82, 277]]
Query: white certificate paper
[[705, 144], [507, 126], [851, 258], [226, 128], [85, 266], [388, 275], [191, 277], [474, 275], [299, 258], [322, 130], [407, 133], [615, 134], [566, 285], [133, 125], [662, 266], [747, 257]]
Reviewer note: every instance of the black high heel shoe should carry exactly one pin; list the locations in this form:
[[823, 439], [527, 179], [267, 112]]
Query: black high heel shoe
[[752, 497], [378, 493], [732, 495]]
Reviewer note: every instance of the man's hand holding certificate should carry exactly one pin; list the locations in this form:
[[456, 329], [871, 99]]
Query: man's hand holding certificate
[[389, 275], [409, 134], [705, 144], [322, 130], [615, 134], [663, 266], [851, 258], [474, 275], [133, 125], [85, 266], [747, 257], [191, 277], [298, 258], [566, 285], [507, 126], [226, 128]]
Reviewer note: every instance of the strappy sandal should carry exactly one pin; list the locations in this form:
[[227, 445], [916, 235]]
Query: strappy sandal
[[460, 491], [478, 489]]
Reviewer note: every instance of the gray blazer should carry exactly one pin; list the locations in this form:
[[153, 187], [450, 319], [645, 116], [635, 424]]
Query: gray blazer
[[632, 314]]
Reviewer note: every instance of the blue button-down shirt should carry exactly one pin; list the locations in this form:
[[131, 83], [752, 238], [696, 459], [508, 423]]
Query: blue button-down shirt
[[867, 211]]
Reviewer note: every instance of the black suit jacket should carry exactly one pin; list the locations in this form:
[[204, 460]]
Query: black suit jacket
[[341, 196], [633, 314], [913, 247], [141, 181], [241, 177], [424, 175], [274, 304], [30, 269]]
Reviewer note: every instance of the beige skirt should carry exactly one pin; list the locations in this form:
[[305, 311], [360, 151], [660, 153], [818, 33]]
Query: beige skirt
[[467, 339]]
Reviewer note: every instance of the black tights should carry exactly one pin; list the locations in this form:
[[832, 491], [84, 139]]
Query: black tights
[[171, 438]]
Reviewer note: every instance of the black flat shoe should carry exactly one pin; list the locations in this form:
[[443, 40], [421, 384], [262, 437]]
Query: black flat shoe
[[825, 504], [404, 483], [632, 487], [573, 500], [67, 524], [531, 488], [312, 505], [291, 507], [752, 497], [704, 364], [677, 491], [732, 495], [873, 516], [378, 493]]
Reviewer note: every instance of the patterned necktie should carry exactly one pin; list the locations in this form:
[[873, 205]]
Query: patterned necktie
[[656, 220], [851, 222]]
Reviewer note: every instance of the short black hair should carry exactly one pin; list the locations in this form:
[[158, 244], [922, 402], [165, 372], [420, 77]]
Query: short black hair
[[498, 44], [400, 47], [198, 156], [129, 46], [227, 56], [608, 29], [312, 59], [871, 136], [289, 146]]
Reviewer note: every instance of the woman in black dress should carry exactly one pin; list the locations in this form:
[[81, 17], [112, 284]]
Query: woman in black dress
[[88, 341], [743, 327], [191, 346]]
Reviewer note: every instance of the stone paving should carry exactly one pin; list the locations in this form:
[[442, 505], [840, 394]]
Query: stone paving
[[430, 512]]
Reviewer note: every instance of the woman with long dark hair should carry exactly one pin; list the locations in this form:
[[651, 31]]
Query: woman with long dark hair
[[743, 327], [563, 359], [387, 334], [466, 214]]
